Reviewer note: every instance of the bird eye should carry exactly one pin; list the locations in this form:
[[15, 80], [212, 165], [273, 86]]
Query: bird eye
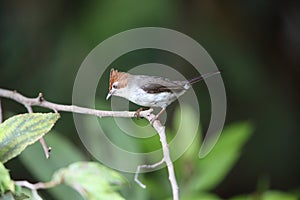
[[115, 86]]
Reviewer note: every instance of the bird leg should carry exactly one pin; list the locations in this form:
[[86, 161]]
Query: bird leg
[[138, 111], [157, 116]]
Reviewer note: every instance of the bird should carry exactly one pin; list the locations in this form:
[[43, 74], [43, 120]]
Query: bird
[[150, 91]]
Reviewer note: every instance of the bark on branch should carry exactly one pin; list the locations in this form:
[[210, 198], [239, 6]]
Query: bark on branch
[[39, 101]]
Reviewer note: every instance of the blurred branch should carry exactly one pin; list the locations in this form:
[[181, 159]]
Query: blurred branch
[[39, 185], [138, 169], [166, 158], [41, 102]]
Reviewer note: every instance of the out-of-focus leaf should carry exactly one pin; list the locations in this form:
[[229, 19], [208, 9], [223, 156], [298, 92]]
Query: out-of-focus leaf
[[205, 196], [7, 188], [6, 184], [21, 193], [33, 195], [25, 193], [92, 180], [213, 168], [188, 131], [19, 131], [7, 196], [268, 195], [63, 153], [277, 195]]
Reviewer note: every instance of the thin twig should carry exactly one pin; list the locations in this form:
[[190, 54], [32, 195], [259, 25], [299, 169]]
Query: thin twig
[[39, 185], [160, 129], [166, 153], [41, 102], [42, 140], [29, 108], [138, 169], [46, 149]]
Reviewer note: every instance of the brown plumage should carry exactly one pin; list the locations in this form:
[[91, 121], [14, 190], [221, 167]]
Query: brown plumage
[[120, 77]]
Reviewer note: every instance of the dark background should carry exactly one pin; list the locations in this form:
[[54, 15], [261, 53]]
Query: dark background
[[256, 43]]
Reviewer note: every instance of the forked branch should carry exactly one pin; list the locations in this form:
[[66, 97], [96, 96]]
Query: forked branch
[[39, 101]]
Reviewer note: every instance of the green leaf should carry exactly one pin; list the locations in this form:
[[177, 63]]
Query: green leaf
[[205, 196], [92, 180], [21, 193], [6, 184], [277, 195], [188, 126], [7, 196], [7, 188], [215, 166], [28, 194], [268, 195], [19, 131]]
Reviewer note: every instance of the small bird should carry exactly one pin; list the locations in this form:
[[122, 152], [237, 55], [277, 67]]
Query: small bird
[[149, 91]]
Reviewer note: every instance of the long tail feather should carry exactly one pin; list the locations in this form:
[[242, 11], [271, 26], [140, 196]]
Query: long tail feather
[[202, 77]]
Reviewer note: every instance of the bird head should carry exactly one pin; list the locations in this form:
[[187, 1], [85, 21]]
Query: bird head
[[117, 83]]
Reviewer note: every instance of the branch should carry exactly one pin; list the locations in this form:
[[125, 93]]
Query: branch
[[160, 129], [138, 169], [39, 185], [46, 149], [166, 153], [41, 102]]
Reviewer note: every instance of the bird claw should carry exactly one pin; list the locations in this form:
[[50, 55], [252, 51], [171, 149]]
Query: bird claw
[[138, 111]]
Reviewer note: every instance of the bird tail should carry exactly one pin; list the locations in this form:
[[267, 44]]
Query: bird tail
[[202, 77]]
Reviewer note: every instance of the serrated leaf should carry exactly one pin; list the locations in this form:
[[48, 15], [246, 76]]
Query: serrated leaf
[[19, 131], [213, 168], [92, 180], [6, 184]]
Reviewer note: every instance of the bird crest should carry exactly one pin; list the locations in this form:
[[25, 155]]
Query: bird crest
[[116, 76]]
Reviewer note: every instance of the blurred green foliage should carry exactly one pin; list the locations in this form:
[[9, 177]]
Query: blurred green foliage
[[256, 43], [6, 184], [197, 177]]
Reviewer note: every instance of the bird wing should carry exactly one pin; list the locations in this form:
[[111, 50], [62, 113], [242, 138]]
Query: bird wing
[[157, 85]]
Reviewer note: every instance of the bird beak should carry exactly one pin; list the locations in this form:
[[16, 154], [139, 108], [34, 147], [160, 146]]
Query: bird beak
[[108, 95]]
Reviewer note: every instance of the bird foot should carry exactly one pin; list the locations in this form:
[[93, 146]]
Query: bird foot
[[157, 116], [138, 111]]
